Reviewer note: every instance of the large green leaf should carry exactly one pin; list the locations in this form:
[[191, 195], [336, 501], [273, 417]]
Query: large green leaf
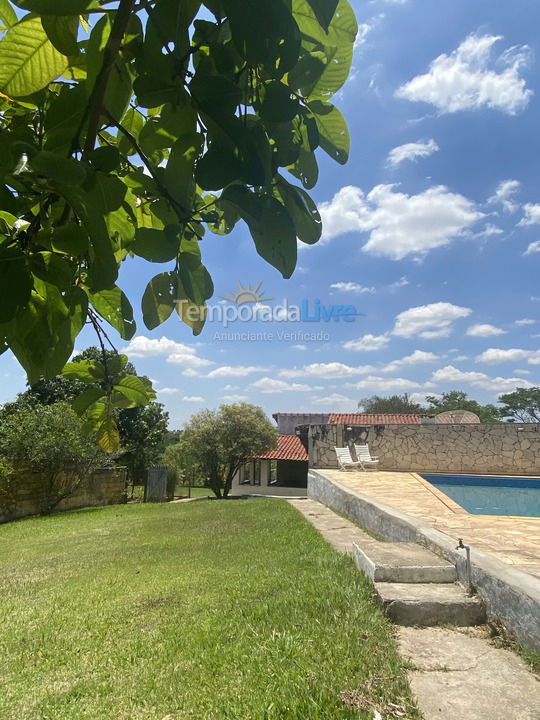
[[15, 281], [270, 225], [53, 166], [103, 267], [64, 118], [57, 7], [333, 131], [135, 390], [52, 268], [156, 245], [159, 299], [28, 59], [114, 307], [305, 169], [69, 239], [62, 32], [50, 321], [8, 15], [302, 210], [324, 11], [334, 48], [179, 170], [87, 371], [119, 87], [87, 398]]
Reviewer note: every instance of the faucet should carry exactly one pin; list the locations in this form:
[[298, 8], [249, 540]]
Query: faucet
[[467, 548]]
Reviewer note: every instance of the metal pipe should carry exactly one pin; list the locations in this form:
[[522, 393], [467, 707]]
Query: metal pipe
[[467, 548]]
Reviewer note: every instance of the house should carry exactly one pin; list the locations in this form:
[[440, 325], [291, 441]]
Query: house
[[284, 470]]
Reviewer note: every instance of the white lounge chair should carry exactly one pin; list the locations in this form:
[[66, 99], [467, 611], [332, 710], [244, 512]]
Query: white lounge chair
[[345, 460], [364, 456]]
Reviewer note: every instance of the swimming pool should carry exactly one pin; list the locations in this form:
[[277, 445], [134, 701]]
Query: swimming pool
[[482, 495]]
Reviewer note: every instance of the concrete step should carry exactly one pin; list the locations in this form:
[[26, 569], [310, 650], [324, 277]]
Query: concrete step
[[402, 563], [429, 604]]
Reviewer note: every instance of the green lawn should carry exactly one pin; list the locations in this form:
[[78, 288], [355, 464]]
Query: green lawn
[[208, 610]]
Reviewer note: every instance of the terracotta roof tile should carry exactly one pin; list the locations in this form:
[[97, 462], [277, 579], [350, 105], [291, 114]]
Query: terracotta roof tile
[[289, 447], [373, 419]]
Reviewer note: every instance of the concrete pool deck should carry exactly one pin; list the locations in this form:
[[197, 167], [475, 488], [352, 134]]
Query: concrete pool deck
[[516, 540], [403, 507]]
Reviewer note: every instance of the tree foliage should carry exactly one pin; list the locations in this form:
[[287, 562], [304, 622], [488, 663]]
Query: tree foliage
[[458, 400], [215, 443], [141, 429], [49, 442], [522, 405], [390, 404], [127, 131]]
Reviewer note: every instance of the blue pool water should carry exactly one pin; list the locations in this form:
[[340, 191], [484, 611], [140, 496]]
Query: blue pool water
[[491, 495]]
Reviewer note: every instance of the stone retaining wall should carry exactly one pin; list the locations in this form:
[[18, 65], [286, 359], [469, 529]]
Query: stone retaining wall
[[505, 448], [103, 487]]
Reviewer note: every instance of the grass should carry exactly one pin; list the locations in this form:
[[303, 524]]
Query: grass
[[233, 610]]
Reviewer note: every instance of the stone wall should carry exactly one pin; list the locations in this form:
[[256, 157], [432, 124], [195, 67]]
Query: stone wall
[[504, 448], [103, 487]]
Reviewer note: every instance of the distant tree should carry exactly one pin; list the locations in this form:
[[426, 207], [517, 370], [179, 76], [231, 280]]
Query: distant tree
[[141, 429], [215, 443], [49, 442], [458, 400], [391, 404], [522, 405]]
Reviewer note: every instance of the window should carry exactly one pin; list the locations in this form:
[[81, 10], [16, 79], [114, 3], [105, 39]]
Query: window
[[256, 472], [244, 474], [272, 479]]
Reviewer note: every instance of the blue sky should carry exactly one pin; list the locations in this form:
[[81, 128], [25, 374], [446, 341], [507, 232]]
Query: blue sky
[[432, 232]]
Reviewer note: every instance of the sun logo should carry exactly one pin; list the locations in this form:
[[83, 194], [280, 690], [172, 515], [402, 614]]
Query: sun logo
[[246, 294]]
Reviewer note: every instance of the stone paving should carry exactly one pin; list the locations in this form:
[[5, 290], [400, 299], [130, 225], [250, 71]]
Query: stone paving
[[455, 674], [516, 540]]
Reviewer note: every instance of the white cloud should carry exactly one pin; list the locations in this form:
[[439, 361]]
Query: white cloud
[[386, 384], [492, 356], [467, 79], [504, 195], [168, 391], [193, 398], [229, 388], [532, 214], [429, 321], [174, 352], [484, 330], [351, 287], [330, 371], [271, 386], [333, 400], [235, 398], [526, 321], [522, 372], [399, 224], [450, 375], [299, 347], [235, 371], [402, 282], [533, 247], [418, 357], [363, 31], [368, 343], [411, 151]]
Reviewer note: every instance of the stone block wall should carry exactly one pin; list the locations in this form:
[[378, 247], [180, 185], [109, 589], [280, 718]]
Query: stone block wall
[[505, 448], [103, 487]]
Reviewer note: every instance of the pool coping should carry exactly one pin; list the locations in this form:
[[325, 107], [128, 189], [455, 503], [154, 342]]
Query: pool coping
[[510, 594]]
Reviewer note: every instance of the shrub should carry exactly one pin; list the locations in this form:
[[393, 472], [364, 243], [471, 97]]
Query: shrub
[[48, 441]]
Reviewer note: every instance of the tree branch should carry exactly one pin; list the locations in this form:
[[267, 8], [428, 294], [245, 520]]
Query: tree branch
[[110, 53]]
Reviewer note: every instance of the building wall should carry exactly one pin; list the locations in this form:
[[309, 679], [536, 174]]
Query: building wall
[[288, 422], [504, 448], [104, 487], [275, 489]]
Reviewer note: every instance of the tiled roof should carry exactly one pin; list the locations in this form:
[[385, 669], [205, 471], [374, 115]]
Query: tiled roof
[[373, 419], [289, 447]]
